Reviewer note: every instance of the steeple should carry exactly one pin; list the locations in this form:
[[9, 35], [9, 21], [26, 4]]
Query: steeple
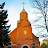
[[23, 14], [23, 8]]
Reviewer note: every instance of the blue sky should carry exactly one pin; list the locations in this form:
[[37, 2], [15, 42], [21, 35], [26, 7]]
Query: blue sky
[[14, 3], [14, 8]]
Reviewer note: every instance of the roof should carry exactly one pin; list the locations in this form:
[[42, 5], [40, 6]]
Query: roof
[[23, 11], [12, 36]]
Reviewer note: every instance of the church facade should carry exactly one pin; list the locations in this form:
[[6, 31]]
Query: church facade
[[22, 36]]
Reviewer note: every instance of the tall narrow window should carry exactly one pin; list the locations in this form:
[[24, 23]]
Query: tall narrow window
[[33, 45], [25, 32], [9, 46]]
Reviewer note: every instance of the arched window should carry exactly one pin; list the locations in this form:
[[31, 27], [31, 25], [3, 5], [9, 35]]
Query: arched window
[[9, 46], [33, 45]]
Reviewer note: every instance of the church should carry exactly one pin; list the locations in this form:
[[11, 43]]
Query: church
[[22, 36]]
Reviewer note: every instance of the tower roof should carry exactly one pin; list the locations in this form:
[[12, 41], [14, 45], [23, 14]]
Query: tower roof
[[23, 8], [23, 11]]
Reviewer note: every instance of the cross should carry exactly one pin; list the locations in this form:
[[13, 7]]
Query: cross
[[23, 5]]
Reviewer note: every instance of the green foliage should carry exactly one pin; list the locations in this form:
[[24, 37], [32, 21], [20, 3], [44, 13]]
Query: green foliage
[[4, 29], [45, 43]]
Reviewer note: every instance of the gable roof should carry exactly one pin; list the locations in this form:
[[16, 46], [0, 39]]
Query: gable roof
[[12, 35]]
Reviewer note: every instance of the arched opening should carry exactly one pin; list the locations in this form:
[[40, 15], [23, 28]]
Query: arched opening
[[25, 46], [33, 45]]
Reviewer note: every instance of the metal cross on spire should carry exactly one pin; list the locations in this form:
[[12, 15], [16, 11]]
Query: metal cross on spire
[[23, 5]]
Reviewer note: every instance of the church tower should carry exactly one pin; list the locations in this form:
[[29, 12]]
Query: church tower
[[24, 28], [22, 36]]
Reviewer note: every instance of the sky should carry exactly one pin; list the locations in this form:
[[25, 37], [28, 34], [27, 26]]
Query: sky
[[14, 7]]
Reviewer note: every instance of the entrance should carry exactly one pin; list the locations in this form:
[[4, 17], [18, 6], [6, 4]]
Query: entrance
[[25, 46]]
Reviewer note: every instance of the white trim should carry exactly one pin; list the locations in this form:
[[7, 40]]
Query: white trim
[[25, 45]]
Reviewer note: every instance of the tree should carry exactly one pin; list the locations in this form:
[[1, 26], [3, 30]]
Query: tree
[[45, 43], [42, 7], [4, 29]]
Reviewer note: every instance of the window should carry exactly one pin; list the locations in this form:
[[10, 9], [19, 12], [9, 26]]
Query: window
[[21, 18], [25, 32], [9, 46], [33, 45]]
